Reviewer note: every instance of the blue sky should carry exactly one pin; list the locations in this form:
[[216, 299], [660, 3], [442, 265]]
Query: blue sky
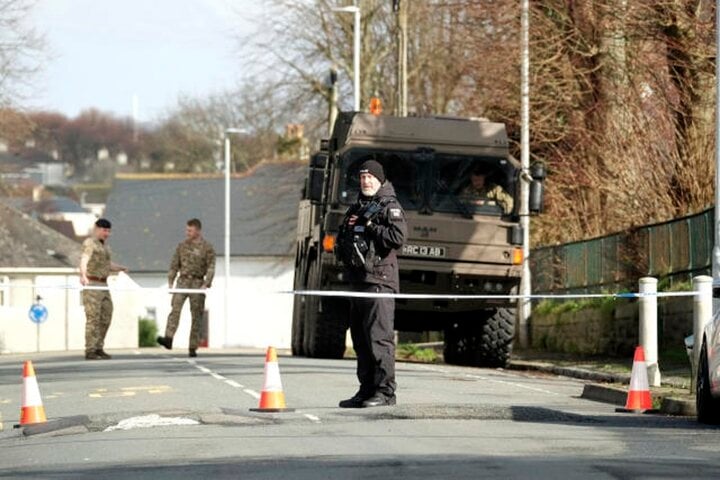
[[103, 52]]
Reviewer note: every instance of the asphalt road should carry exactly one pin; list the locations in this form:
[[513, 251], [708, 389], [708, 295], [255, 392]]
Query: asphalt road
[[450, 422]]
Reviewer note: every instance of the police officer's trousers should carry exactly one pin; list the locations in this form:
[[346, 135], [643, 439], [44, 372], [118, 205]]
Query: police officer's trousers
[[372, 327]]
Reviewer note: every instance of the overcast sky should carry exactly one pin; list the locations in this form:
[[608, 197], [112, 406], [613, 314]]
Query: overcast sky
[[105, 51]]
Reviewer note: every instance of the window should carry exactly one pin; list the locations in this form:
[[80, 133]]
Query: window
[[4, 291]]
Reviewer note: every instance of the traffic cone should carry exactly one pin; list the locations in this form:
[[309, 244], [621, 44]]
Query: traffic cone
[[638, 399], [32, 410], [272, 398]]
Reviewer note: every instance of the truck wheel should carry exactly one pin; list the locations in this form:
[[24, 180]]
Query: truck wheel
[[481, 342], [324, 333], [708, 407], [298, 318], [496, 339]]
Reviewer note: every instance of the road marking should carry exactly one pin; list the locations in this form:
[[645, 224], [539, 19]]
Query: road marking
[[111, 394], [252, 393], [4, 401], [514, 384], [130, 391], [1, 423], [217, 376], [312, 418], [149, 421], [494, 380]]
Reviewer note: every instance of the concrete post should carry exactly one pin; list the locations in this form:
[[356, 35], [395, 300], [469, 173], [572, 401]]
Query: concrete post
[[702, 315], [648, 328]]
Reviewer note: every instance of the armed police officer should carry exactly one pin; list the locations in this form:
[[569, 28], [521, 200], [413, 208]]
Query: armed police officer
[[372, 232]]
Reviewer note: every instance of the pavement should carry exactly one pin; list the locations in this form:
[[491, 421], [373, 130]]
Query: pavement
[[608, 379]]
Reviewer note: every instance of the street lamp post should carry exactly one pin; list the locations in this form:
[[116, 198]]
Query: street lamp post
[[226, 255], [355, 10]]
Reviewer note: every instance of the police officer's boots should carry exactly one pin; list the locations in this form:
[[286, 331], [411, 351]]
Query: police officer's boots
[[165, 342]]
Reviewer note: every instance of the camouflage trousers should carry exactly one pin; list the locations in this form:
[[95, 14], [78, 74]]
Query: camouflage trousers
[[197, 308], [98, 313]]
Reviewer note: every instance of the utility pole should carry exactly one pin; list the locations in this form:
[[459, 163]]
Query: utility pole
[[526, 282], [332, 99], [400, 8]]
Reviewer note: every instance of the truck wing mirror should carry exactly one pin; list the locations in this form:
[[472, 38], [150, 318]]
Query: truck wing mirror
[[537, 188], [316, 182]]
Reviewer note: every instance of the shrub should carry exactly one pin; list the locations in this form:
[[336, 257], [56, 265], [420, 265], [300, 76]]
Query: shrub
[[147, 332]]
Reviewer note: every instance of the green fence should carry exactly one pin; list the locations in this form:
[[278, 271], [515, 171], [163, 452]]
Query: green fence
[[676, 250]]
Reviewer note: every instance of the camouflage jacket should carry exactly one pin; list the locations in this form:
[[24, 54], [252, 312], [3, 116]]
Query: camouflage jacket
[[491, 192], [193, 260], [98, 254]]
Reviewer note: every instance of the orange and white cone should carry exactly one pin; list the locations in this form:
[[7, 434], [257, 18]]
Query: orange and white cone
[[272, 398], [32, 410], [638, 399]]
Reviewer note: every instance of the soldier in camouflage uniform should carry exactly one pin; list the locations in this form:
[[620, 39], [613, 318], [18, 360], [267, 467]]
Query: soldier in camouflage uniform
[[194, 261], [480, 189], [95, 266]]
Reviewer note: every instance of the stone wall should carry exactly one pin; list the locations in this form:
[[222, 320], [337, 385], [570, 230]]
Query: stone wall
[[609, 331]]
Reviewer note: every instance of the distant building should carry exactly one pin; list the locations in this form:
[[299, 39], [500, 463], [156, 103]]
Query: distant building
[[36, 261], [149, 215]]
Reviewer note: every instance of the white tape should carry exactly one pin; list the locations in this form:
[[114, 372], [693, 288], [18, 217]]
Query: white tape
[[355, 294], [422, 296]]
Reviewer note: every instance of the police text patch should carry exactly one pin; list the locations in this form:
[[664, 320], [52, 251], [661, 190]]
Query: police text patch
[[395, 213]]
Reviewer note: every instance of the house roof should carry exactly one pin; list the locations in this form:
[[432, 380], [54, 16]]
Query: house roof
[[149, 215], [27, 243]]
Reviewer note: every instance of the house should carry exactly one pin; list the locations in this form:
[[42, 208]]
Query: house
[[39, 265], [149, 213], [59, 212]]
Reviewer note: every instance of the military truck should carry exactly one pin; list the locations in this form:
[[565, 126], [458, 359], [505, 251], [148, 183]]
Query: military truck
[[455, 245]]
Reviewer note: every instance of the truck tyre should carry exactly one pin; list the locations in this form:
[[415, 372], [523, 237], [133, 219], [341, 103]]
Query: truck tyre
[[497, 338], [708, 407], [324, 329], [298, 318], [481, 342]]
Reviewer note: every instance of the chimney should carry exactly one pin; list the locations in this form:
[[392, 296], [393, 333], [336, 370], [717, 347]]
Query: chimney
[[37, 193]]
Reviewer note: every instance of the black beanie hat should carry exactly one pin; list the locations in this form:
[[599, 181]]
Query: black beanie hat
[[374, 168], [103, 223]]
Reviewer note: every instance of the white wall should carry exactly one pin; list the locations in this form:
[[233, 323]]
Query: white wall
[[65, 327], [258, 316]]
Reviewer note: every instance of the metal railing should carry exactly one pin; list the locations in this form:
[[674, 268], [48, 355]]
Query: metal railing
[[673, 251]]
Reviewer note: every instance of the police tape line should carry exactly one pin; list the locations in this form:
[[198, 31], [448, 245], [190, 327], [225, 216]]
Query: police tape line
[[67, 286], [358, 294]]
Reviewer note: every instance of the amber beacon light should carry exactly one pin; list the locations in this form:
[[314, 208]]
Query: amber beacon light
[[375, 106], [328, 243]]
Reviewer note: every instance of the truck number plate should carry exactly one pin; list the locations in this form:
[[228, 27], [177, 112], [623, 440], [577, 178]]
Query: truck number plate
[[423, 251]]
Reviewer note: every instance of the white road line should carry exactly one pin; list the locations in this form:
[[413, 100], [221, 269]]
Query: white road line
[[312, 418], [217, 376], [252, 393], [233, 383], [514, 384], [494, 380], [203, 369]]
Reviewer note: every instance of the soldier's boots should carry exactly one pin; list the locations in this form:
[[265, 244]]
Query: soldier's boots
[[103, 354], [192, 352], [92, 356], [97, 355], [165, 342]]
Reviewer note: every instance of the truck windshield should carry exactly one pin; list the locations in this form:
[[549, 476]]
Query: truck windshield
[[429, 182]]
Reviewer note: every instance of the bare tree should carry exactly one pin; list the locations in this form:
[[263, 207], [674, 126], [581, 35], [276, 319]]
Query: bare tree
[[21, 50]]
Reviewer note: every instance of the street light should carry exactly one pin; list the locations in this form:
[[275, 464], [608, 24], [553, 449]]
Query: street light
[[355, 10], [226, 257]]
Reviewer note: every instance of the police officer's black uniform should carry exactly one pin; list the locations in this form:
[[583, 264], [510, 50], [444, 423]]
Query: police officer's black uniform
[[368, 249]]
